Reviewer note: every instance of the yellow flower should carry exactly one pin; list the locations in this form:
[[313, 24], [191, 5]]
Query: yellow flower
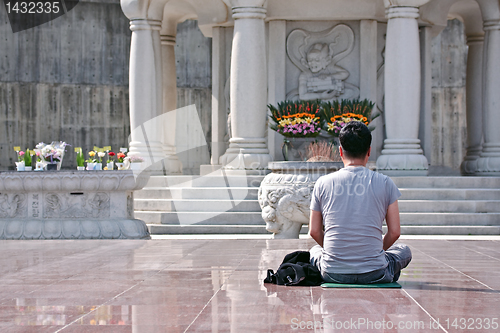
[[330, 126], [91, 153]]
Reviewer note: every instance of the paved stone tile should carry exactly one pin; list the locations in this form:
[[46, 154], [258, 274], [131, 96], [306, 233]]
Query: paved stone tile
[[216, 286]]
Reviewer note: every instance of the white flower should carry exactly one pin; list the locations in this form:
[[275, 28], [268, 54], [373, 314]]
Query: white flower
[[101, 154]]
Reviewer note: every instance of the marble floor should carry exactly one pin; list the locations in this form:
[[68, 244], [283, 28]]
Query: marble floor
[[215, 285]]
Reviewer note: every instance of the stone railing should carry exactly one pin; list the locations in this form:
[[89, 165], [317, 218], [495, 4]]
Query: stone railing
[[70, 205]]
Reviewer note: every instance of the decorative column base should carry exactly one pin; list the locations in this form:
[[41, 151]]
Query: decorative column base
[[469, 165], [151, 151], [172, 165], [488, 164], [402, 157], [246, 154]]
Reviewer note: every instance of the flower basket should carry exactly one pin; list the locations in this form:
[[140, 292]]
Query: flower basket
[[52, 153], [338, 114], [296, 119]]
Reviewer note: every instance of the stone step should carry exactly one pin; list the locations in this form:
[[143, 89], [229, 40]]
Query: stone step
[[443, 206], [204, 181], [479, 219], [447, 182], [255, 218], [450, 230], [232, 193], [449, 194], [162, 229], [193, 205], [190, 218]]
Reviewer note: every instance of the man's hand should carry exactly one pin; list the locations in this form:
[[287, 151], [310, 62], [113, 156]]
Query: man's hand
[[316, 227], [393, 225]]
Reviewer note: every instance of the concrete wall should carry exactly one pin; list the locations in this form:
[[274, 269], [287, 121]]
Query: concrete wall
[[65, 80], [449, 59], [68, 80], [193, 54]]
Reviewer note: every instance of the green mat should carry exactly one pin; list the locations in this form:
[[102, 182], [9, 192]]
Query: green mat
[[373, 285]]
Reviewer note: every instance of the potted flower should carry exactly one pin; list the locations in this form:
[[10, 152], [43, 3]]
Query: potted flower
[[135, 162], [100, 155], [338, 114], [297, 121], [119, 157], [39, 162], [110, 162], [52, 154], [91, 162], [80, 160], [27, 160], [20, 166]]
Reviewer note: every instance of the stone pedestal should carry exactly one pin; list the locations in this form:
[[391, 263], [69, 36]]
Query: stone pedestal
[[70, 205], [248, 146], [402, 154], [488, 164], [285, 195], [474, 108]]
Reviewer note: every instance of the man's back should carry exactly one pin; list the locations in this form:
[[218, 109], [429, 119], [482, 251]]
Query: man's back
[[353, 202]]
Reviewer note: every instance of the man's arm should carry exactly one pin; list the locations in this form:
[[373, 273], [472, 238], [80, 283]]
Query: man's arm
[[393, 225], [316, 227]]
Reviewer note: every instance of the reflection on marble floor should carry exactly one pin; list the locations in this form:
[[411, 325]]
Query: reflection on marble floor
[[216, 286]]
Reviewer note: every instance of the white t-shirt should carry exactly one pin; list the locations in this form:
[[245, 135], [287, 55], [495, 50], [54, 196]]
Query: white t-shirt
[[353, 202]]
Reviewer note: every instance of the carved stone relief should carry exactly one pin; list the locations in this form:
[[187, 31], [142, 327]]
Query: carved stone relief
[[317, 54], [67, 205], [12, 205]]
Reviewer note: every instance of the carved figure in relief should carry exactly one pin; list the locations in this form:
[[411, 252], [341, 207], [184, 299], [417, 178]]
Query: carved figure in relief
[[61, 205], [317, 55], [11, 207]]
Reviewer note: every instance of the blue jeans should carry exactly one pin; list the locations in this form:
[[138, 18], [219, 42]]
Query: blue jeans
[[398, 257]]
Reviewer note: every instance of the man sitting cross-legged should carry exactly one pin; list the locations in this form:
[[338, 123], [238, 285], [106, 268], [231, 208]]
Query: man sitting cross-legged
[[351, 205]]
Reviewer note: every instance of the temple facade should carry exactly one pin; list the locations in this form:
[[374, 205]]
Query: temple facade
[[265, 52]]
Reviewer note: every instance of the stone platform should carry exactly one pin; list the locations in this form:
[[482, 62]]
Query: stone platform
[[70, 205], [214, 285]]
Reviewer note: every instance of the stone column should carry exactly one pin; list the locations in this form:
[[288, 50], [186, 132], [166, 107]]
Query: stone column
[[145, 90], [248, 146], [474, 107], [171, 162], [488, 164], [368, 75], [402, 154]]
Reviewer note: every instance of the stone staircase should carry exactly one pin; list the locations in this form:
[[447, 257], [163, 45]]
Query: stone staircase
[[449, 205], [201, 205], [228, 205]]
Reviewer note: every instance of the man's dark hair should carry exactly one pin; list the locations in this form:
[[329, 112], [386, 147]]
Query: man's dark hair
[[355, 139]]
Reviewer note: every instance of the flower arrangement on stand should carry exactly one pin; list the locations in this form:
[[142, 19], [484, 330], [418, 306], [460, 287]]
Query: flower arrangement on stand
[[80, 160], [120, 164], [296, 119], [134, 161], [39, 162], [52, 154], [110, 162], [338, 114], [28, 158], [20, 166], [91, 162]]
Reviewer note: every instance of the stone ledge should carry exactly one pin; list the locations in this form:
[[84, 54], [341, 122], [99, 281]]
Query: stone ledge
[[34, 181], [73, 229]]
